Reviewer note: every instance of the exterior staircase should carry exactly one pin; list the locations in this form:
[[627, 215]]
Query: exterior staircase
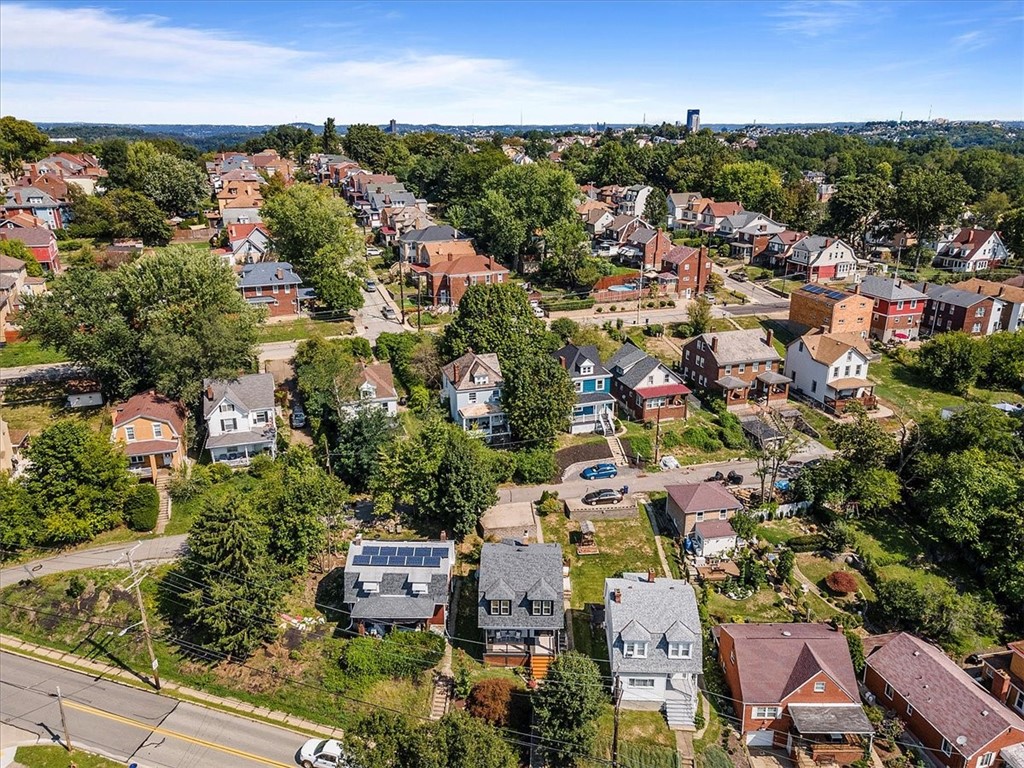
[[539, 666], [618, 455], [441, 700], [164, 516], [680, 713]]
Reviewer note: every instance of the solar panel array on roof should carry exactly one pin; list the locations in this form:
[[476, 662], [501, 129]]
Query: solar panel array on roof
[[819, 290], [401, 557]]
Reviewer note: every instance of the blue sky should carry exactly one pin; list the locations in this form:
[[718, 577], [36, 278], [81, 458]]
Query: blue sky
[[490, 62]]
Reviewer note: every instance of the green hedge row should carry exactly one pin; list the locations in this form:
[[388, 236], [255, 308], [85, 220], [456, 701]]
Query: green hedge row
[[566, 305]]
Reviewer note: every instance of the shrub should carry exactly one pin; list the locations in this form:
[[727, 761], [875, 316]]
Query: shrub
[[491, 700], [702, 440], [731, 431], [641, 446], [76, 587], [715, 757], [841, 582], [807, 543], [535, 466], [550, 505], [397, 654], [141, 507], [220, 472], [420, 399], [566, 305], [188, 481], [503, 466]]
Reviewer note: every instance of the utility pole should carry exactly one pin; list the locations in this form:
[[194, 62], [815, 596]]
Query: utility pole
[[615, 723], [419, 301], [657, 436], [401, 282], [136, 582], [64, 722]]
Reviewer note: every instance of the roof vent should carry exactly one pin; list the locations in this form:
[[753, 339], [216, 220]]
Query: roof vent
[[961, 740], [786, 633], [917, 653], [984, 713]]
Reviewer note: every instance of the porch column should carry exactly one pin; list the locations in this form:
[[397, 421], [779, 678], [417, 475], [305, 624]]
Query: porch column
[[152, 465]]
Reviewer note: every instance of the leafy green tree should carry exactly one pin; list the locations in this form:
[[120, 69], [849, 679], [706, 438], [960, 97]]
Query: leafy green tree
[[20, 140], [801, 209], [336, 275], [77, 481], [229, 584], [1005, 367], [757, 185], [177, 186], [494, 318], [471, 172], [990, 208], [952, 361], [565, 709], [564, 328], [287, 140], [784, 565], [16, 249], [329, 142], [745, 525], [863, 441], [566, 252], [368, 146], [656, 209], [538, 397], [927, 200], [854, 206], [498, 227], [1011, 229], [876, 490], [121, 213], [461, 741], [325, 370], [360, 439], [167, 320], [610, 166], [113, 155], [306, 219], [698, 314], [19, 522], [465, 488]]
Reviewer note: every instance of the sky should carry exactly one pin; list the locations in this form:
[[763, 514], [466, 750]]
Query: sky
[[487, 63]]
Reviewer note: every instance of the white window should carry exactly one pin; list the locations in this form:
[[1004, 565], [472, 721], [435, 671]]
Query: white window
[[753, 367], [913, 303], [501, 607], [158, 431], [640, 682], [910, 709], [859, 367], [699, 517], [728, 370], [979, 312], [634, 650], [986, 760], [743, 367], [765, 713], [472, 397], [947, 748], [600, 385], [541, 607], [835, 371], [480, 379], [228, 425], [888, 691], [976, 328], [578, 386], [899, 305], [819, 687], [1019, 703], [680, 650], [226, 408], [586, 370], [129, 433], [723, 514], [846, 371]]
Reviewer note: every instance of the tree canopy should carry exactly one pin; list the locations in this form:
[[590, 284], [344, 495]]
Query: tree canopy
[[565, 709]]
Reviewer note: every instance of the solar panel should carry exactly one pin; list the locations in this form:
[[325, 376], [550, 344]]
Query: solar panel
[[396, 560], [414, 562], [378, 560], [835, 295], [432, 562], [440, 552], [406, 551], [423, 552], [389, 550], [371, 550], [361, 560]]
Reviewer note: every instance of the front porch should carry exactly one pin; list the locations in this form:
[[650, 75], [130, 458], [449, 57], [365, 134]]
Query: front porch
[[593, 414], [841, 393], [515, 648], [838, 734]]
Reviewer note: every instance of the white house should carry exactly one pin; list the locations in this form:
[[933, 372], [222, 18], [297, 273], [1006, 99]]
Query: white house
[[376, 387], [970, 250], [241, 418], [634, 200], [678, 207], [831, 368], [654, 645], [822, 259], [713, 537], [472, 386]]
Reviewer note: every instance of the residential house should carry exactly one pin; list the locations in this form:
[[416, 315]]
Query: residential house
[[950, 309], [249, 243], [398, 584], [740, 364], [793, 687], [777, 251], [897, 308], [448, 277], [55, 214], [831, 369], [239, 202], [152, 429], [820, 259], [831, 310], [612, 195], [645, 248], [12, 286], [686, 270], [713, 538], [472, 385], [1002, 675], [410, 240], [375, 385], [1011, 316], [690, 215], [678, 203], [394, 220], [713, 214], [957, 721], [430, 253], [692, 503], [50, 183], [40, 241], [595, 405], [654, 645], [645, 387], [634, 200], [359, 184], [520, 604], [273, 285], [750, 240], [618, 231], [971, 250], [241, 418], [6, 449], [597, 221]]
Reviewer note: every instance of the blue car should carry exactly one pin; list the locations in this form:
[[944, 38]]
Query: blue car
[[599, 472]]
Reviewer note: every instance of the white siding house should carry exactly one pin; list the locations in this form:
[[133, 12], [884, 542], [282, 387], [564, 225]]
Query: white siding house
[[241, 418], [829, 368], [472, 386]]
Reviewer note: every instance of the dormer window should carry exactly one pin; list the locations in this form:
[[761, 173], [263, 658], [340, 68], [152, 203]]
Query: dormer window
[[586, 369], [226, 407], [541, 607], [634, 650], [129, 433], [501, 607], [158, 431], [480, 379], [680, 650]]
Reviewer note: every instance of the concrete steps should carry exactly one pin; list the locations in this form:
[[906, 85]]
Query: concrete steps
[[615, 446], [441, 699], [164, 516], [680, 714]]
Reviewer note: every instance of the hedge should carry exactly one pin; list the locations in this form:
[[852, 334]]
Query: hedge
[[566, 305], [141, 507], [808, 543]]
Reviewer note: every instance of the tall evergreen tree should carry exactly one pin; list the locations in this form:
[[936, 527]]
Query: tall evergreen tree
[[566, 707]]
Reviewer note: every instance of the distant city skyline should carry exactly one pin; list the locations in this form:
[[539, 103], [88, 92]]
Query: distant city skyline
[[809, 61]]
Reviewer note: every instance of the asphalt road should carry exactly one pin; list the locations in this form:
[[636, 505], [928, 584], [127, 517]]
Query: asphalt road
[[370, 322], [132, 725]]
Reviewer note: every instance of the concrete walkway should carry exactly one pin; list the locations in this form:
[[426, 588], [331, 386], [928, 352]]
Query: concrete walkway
[[649, 509], [169, 688]]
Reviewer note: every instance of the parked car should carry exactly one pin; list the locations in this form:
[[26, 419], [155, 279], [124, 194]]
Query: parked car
[[603, 496], [734, 478], [600, 472], [298, 419], [538, 312], [322, 753], [370, 286], [389, 313], [374, 251], [738, 274]]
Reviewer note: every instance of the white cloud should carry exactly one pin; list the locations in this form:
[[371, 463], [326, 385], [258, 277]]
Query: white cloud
[[816, 17], [971, 41]]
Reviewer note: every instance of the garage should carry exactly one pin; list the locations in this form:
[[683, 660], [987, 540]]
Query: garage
[[760, 738]]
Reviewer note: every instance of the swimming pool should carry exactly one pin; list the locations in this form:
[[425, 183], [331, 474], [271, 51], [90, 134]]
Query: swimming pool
[[622, 288]]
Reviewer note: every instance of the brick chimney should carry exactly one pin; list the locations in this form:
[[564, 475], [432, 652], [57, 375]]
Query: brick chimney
[[209, 393], [1000, 685], [617, 595], [714, 343], [650, 575], [443, 536], [770, 337], [279, 273]]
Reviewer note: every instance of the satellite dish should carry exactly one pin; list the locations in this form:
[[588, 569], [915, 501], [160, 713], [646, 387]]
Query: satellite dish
[[961, 740]]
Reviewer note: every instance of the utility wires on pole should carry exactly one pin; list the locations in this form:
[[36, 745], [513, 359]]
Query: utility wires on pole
[[137, 577]]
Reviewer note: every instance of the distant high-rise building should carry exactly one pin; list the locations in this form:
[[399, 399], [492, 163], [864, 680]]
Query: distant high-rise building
[[693, 120], [392, 126]]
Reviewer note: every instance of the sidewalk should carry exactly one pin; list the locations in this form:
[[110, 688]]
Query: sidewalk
[[168, 688]]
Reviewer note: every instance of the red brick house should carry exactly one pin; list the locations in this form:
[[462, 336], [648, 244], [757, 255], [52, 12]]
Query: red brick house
[[739, 364], [273, 285], [39, 240], [1002, 674], [685, 271], [897, 308], [950, 309], [644, 387], [957, 721], [793, 687], [447, 279]]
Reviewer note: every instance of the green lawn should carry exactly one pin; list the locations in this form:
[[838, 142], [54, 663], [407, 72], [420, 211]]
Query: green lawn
[[641, 439], [645, 740], [21, 353], [303, 328], [780, 531], [763, 606], [625, 545], [816, 569], [58, 757], [784, 286], [184, 512]]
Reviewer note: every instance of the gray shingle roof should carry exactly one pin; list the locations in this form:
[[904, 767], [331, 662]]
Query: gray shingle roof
[[949, 295], [636, 365], [394, 598], [253, 392], [656, 612], [888, 288], [572, 357], [437, 233], [523, 569], [460, 372], [268, 273], [745, 346]]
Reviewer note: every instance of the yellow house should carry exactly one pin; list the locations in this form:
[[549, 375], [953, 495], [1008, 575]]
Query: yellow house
[[152, 429]]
